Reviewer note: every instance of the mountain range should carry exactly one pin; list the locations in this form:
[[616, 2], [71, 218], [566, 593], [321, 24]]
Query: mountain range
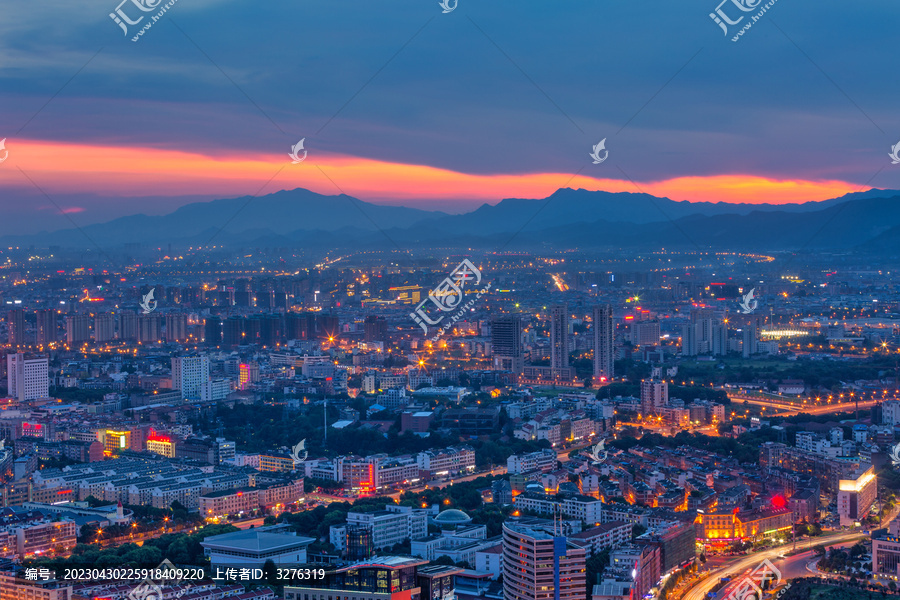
[[568, 218]]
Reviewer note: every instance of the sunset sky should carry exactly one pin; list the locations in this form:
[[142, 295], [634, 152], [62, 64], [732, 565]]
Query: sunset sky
[[402, 104]]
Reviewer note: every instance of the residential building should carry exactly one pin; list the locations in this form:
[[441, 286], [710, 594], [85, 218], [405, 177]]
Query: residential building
[[559, 337], [18, 588], [540, 566], [604, 338], [27, 378], [189, 374], [506, 343]]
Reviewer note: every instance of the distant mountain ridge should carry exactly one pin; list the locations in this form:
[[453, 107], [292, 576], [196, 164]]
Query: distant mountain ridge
[[567, 218]]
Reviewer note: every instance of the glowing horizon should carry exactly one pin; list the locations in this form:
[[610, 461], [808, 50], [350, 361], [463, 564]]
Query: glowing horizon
[[60, 167]]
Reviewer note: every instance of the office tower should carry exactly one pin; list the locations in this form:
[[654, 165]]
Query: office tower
[[506, 343], [104, 328], [128, 325], [176, 328], [46, 326], [375, 329], [654, 395], [541, 566], [212, 330], [15, 321], [27, 379], [750, 341], [559, 336], [233, 331], [78, 329], [148, 329], [604, 338], [189, 373]]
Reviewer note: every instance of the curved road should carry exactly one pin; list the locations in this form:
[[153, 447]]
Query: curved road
[[702, 588]]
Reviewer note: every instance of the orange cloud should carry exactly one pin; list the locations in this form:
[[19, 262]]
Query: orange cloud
[[129, 171]]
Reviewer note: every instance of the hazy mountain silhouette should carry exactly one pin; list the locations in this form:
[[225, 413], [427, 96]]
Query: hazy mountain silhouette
[[567, 218]]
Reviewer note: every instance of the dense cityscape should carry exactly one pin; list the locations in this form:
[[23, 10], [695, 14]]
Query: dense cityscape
[[608, 429]]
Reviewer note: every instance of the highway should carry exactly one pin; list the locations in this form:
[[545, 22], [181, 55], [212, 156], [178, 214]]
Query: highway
[[785, 408], [743, 563]]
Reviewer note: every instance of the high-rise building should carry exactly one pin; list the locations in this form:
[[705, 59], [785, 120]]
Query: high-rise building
[[856, 495], [750, 340], [176, 327], [654, 395], [375, 329], [15, 321], [540, 566], [27, 378], [78, 329], [506, 343], [46, 326], [104, 327], [644, 333], [604, 337], [690, 339], [559, 336], [269, 327], [212, 330], [327, 327], [148, 329], [128, 325], [189, 373], [233, 331]]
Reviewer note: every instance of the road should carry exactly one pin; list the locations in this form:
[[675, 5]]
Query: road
[[785, 408], [743, 563]]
